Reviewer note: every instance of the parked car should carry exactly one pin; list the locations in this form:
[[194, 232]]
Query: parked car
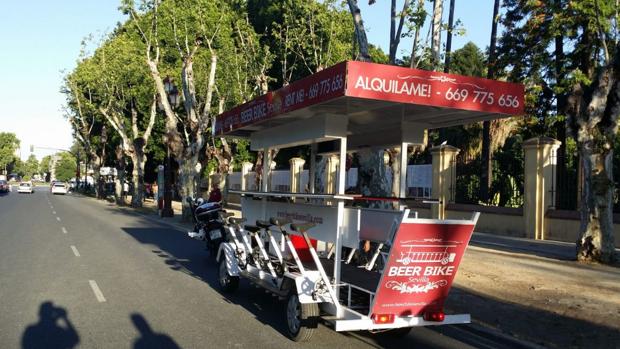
[[4, 186], [25, 187], [59, 188]]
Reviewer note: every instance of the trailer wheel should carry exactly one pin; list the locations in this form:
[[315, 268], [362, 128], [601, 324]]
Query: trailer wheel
[[228, 283], [302, 319]]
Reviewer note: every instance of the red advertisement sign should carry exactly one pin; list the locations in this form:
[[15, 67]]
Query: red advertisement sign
[[415, 86], [314, 89], [379, 82], [421, 267]]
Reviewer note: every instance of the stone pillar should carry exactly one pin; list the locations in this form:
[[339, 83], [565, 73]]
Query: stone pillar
[[539, 168], [297, 166], [331, 178], [246, 167], [444, 174]]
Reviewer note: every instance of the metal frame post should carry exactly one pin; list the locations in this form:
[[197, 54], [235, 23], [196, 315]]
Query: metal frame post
[[266, 169], [404, 148], [312, 171], [340, 220]]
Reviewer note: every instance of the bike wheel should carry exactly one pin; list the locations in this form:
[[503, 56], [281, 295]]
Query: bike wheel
[[228, 283], [302, 319]]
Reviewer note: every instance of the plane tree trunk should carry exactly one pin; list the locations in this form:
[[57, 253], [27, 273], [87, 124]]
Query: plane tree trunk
[[593, 118]]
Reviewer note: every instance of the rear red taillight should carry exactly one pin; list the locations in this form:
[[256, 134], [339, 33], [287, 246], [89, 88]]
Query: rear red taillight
[[383, 318], [437, 316]]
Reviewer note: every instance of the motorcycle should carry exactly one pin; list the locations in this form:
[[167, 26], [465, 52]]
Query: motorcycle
[[208, 223]]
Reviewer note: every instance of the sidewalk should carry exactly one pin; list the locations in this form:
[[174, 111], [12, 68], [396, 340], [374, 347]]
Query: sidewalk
[[542, 248], [150, 208]]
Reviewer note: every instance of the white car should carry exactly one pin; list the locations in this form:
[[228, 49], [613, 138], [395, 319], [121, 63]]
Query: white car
[[59, 188], [25, 187]]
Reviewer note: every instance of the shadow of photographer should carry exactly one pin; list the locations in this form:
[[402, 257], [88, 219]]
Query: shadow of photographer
[[149, 339], [54, 329]]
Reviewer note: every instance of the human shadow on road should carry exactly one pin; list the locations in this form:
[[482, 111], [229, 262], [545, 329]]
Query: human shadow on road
[[54, 329], [149, 339]]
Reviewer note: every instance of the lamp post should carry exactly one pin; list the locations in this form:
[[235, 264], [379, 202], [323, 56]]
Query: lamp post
[[172, 93]]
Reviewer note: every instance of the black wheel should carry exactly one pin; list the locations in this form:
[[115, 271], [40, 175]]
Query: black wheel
[[228, 283], [302, 319], [213, 246]]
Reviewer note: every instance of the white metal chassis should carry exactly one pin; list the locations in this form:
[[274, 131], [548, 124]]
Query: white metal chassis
[[342, 317], [354, 321]]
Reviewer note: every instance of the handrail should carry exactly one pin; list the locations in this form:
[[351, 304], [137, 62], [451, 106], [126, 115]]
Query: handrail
[[295, 195]]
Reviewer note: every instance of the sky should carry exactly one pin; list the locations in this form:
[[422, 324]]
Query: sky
[[40, 41]]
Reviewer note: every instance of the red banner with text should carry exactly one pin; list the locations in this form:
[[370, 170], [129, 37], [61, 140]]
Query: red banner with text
[[415, 86], [312, 90], [421, 267]]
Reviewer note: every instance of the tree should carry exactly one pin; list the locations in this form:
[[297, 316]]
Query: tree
[[585, 82], [360, 32], [8, 145], [178, 39], [45, 167], [594, 112], [31, 166], [65, 167], [86, 121], [468, 61], [115, 84], [487, 170], [436, 30]]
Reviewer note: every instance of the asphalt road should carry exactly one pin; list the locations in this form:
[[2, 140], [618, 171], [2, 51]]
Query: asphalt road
[[75, 272]]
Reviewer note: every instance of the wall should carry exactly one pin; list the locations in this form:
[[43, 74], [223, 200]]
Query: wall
[[564, 226], [560, 225]]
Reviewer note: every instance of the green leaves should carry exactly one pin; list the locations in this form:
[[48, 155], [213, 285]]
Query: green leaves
[[304, 35], [8, 145], [65, 167]]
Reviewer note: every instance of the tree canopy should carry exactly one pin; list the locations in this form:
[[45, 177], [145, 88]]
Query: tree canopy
[[8, 145], [65, 167]]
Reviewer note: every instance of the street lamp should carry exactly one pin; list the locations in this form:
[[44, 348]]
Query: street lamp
[[172, 94]]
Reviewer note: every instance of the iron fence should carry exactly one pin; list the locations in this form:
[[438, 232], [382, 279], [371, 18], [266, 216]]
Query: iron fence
[[506, 181], [566, 179]]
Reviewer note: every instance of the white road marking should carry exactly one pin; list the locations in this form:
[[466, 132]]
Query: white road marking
[[53, 212], [75, 251], [64, 230], [58, 219], [96, 291]]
